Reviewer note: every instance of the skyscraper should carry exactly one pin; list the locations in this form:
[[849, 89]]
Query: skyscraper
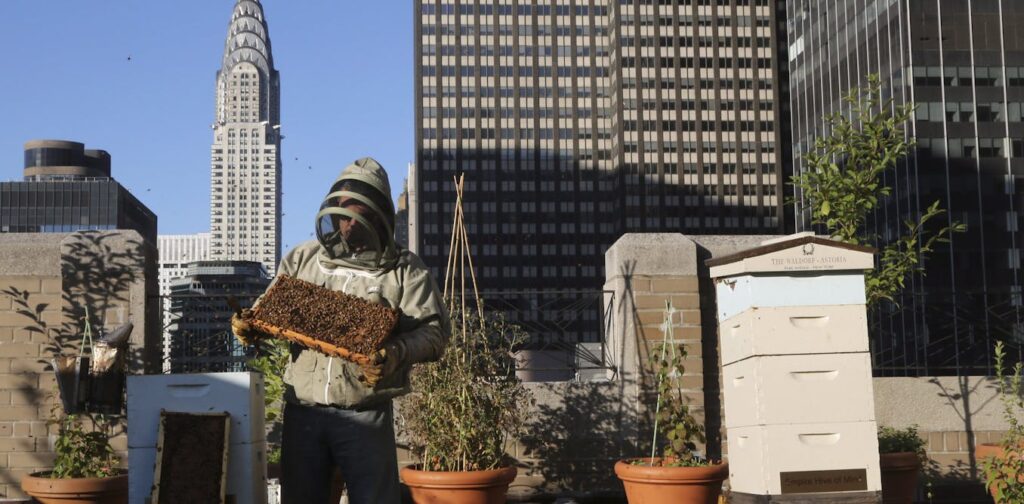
[[176, 252], [245, 178], [578, 121], [201, 339], [66, 188], [962, 63]]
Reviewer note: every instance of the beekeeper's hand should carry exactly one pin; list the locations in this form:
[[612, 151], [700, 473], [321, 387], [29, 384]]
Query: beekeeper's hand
[[242, 330], [384, 363]]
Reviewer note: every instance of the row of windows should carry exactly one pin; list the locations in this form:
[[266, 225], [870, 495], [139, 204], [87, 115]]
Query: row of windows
[[508, 10], [966, 112], [523, 30], [561, 51], [970, 148], [510, 71], [982, 76]]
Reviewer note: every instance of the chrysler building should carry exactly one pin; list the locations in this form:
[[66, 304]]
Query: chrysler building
[[245, 175]]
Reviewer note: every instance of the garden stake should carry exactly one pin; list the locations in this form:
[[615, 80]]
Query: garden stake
[[666, 330]]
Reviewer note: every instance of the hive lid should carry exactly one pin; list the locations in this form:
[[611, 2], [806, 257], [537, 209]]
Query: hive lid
[[799, 253]]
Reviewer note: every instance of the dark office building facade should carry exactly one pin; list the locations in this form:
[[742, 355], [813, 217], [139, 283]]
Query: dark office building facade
[[962, 63], [200, 316], [576, 121], [69, 188]]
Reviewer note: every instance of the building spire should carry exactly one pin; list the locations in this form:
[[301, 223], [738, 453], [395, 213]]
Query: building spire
[[248, 38]]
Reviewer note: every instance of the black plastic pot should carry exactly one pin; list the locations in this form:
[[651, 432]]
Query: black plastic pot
[[72, 382]]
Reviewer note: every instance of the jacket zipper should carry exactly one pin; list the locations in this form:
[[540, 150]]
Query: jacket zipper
[[330, 360]]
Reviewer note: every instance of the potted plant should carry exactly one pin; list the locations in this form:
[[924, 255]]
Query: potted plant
[[679, 474], [465, 407], [1003, 463], [901, 455], [85, 469]]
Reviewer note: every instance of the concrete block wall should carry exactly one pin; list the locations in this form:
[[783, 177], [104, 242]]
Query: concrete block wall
[[954, 415], [56, 275]]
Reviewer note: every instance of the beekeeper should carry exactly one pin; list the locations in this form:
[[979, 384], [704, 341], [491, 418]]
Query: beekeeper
[[338, 413]]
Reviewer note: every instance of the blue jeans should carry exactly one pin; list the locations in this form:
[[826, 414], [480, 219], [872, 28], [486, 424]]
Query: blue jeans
[[360, 443]]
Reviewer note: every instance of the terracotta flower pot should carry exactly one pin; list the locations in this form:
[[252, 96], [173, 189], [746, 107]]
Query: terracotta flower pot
[[655, 484], [994, 450], [112, 490], [899, 477], [463, 487]]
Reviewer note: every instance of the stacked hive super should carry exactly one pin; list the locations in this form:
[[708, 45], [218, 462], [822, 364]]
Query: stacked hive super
[[796, 371]]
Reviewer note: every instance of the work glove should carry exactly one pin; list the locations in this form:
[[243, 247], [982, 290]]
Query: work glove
[[382, 364], [242, 330]]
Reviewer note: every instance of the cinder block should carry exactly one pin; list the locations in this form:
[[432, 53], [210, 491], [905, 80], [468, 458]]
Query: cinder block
[[935, 442], [42, 429], [18, 413], [18, 350], [675, 285], [651, 302], [686, 301], [51, 285], [691, 317], [6, 429], [13, 444], [23, 428], [652, 317], [952, 441], [757, 455], [21, 283], [30, 460], [31, 366]]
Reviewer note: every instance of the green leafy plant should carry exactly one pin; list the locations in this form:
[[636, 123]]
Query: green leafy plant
[[81, 453], [672, 419], [1005, 475], [271, 362], [892, 440], [843, 186], [467, 405]]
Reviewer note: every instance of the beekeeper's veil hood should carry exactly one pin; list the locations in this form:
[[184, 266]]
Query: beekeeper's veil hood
[[360, 198]]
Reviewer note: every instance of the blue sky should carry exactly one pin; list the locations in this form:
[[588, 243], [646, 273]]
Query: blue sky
[[346, 92]]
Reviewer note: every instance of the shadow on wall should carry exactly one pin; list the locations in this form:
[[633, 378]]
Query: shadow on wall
[[577, 437], [95, 280], [959, 478]]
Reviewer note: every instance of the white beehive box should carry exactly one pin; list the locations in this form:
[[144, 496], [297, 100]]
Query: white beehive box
[[794, 330], [247, 473], [239, 394], [798, 389], [759, 456]]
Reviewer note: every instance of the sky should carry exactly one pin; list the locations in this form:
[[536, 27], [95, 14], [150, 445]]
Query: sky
[[346, 92]]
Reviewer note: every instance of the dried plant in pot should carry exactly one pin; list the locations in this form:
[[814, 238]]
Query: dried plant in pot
[[901, 456], [679, 474], [467, 406], [1003, 463], [463, 411], [85, 469]]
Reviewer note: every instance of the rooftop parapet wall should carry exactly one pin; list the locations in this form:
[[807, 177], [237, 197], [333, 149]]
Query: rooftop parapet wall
[[57, 276]]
